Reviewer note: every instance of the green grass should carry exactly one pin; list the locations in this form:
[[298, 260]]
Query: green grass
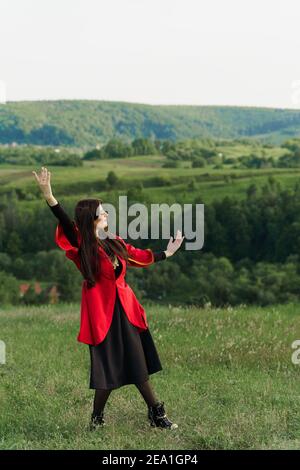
[[210, 183], [227, 381], [139, 167]]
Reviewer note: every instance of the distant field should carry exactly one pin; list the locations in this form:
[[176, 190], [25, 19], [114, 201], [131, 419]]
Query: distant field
[[227, 381], [75, 183]]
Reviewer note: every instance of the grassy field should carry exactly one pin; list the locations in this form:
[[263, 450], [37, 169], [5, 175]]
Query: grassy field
[[227, 380], [74, 183]]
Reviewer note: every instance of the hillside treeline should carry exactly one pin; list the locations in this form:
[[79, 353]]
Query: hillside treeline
[[200, 152], [250, 254], [88, 123]]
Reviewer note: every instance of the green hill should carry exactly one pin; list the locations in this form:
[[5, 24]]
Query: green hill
[[84, 123]]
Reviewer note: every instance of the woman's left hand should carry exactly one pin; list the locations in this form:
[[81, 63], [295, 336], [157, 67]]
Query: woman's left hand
[[173, 245]]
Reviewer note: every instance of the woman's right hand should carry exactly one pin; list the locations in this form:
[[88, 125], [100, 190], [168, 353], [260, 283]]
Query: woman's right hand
[[43, 180]]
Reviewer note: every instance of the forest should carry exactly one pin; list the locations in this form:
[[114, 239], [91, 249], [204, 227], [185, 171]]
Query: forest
[[88, 123], [252, 217]]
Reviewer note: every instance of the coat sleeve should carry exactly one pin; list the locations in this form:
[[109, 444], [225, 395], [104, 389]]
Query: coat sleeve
[[139, 258], [64, 244]]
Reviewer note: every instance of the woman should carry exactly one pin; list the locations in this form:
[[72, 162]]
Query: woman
[[112, 322]]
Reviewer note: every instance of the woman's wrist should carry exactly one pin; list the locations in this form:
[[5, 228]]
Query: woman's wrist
[[51, 200], [168, 253]]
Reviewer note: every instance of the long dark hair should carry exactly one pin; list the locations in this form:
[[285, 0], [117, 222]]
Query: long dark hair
[[85, 215]]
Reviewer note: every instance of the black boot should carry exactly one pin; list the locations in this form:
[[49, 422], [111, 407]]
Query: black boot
[[158, 417], [97, 420]]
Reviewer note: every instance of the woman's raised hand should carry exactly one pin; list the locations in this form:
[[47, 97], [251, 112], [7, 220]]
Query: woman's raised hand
[[43, 180], [173, 245]]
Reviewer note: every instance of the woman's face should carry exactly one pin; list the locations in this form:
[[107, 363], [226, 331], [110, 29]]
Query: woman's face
[[101, 222]]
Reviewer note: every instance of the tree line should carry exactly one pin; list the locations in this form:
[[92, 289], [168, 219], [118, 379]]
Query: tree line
[[250, 253], [200, 152]]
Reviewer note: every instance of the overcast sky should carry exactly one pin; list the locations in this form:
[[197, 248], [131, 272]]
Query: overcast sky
[[213, 52]]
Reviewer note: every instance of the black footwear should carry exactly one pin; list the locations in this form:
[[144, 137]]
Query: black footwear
[[97, 421], [158, 417]]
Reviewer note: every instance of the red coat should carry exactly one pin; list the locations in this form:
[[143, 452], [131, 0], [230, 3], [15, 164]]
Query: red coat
[[97, 303]]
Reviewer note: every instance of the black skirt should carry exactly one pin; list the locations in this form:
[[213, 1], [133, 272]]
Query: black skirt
[[125, 356]]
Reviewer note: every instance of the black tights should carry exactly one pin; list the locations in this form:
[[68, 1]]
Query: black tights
[[100, 399], [147, 393], [101, 396]]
